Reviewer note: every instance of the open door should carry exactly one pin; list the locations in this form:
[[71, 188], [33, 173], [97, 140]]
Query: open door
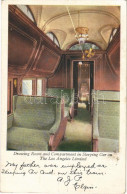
[[83, 82]]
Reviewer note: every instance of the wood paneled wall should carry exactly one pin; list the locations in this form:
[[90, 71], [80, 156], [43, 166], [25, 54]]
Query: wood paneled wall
[[111, 65], [30, 51], [106, 68], [58, 80], [32, 54]]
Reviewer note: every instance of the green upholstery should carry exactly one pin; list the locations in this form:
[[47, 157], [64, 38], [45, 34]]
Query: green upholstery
[[66, 111], [27, 139], [33, 113], [10, 120], [32, 122], [66, 93], [106, 119], [108, 145]]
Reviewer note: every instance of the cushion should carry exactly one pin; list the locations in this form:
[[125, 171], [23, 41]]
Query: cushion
[[66, 111], [9, 120], [108, 126], [34, 113], [19, 138], [67, 93], [108, 145]]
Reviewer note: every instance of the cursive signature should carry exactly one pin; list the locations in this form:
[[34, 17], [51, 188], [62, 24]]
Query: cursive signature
[[76, 181]]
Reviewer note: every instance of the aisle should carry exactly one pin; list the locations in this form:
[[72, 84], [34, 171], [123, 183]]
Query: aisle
[[78, 135]]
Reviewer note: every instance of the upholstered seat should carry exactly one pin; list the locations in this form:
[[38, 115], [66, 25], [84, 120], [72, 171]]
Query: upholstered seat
[[106, 121], [20, 138], [33, 120], [108, 145], [68, 95]]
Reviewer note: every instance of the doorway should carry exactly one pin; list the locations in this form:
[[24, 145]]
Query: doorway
[[83, 82]]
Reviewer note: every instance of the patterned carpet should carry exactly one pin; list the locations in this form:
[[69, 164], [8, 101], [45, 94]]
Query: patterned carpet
[[78, 135]]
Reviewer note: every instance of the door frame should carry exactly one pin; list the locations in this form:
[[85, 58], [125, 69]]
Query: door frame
[[72, 68]]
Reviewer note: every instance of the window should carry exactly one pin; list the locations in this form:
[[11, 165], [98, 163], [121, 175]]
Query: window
[[25, 9], [113, 34], [39, 87], [50, 35], [86, 46], [27, 87], [53, 38], [34, 86], [56, 42]]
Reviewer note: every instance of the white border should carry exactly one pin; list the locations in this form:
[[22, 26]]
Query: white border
[[4, 70]]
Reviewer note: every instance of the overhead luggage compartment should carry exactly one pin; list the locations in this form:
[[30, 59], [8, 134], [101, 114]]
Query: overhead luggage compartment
[[30, 51]]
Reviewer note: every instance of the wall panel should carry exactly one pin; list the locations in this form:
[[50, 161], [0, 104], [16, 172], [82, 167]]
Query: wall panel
[[30, 51], [58, 80]]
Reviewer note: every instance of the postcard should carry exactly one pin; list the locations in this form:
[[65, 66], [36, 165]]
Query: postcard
[[63, 96]]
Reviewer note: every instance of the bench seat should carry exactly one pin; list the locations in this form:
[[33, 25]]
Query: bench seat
[[37, 124], [68, 95], [108, 145], [27, 139], [106, 120]]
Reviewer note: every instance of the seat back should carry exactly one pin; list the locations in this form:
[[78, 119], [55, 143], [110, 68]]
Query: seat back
[[106, 113], [66, 93], [34, 112]]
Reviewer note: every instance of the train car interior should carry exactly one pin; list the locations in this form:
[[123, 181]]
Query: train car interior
[[63, 78]]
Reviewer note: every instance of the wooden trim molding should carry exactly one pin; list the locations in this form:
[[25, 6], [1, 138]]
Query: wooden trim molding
[[39, 55], [79, 53], [114, 41], [20, 17], [27, 59], [30, 59], [55, 62], [76, 42]]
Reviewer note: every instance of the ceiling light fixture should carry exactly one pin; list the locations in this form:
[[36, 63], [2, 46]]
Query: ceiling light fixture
[[80, 63], [81, 32], [76, 32], [90, 53]]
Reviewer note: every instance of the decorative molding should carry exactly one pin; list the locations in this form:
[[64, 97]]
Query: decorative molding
[[81, 11], [34, 45], [39, 55], [60, 69], [52, 53], [35, 40], [76, 42], [79, 53], [100, 31], [22, 18], [115, 40], [112, 66]]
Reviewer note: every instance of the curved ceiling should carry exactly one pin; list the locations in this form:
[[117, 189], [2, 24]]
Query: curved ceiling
[[99, 19]]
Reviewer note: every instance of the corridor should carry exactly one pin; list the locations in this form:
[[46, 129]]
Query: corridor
[[78, 135]]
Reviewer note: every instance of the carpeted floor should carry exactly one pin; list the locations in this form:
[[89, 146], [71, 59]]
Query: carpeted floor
[[78, 135]]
